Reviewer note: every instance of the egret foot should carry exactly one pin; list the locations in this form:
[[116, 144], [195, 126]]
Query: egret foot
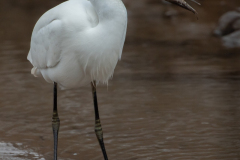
[[98, 127], [55, 121]]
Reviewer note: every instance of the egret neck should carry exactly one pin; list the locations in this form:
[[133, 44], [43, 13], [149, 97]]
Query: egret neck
[[112, 11], [112, 16]]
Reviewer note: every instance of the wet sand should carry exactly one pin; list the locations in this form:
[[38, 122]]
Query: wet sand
[[174, 94]]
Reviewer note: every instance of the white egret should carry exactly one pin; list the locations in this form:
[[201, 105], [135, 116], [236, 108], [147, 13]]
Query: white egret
[[76, 43]]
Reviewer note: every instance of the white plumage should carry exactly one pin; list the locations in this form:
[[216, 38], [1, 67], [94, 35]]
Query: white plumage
[[78, 41]]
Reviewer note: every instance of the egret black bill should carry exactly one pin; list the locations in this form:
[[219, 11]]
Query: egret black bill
[[184, 4]]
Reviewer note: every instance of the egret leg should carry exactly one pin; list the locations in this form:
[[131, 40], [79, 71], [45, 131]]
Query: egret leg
[[55, 120], [98, 127]]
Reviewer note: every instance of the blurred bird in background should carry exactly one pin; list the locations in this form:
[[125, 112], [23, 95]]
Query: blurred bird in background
[[228, 29]]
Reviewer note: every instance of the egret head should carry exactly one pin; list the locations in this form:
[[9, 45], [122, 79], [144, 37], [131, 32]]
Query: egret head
[[184, 4]]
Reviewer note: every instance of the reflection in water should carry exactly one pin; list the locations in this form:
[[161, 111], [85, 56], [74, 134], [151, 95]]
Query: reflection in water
[[174, 95]]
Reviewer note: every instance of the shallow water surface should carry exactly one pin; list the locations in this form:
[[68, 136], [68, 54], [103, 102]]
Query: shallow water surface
[[174, 94]]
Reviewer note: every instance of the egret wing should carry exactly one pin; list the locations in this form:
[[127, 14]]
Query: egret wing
[[52, 31]]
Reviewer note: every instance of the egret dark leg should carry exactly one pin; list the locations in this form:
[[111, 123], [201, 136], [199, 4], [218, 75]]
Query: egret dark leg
[[55, 120], [98, 127]]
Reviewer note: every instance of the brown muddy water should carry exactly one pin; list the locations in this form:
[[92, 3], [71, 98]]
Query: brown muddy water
[[174, 95]]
